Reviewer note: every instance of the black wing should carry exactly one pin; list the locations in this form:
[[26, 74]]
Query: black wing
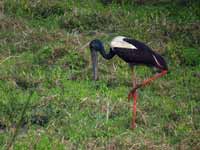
[[139, 45], [149, 57]]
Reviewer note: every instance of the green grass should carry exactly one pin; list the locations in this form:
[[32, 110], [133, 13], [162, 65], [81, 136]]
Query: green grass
[[43, 48]]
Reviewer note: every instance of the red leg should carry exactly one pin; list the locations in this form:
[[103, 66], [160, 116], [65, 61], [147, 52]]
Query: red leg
[[133, 93], [133, 82], [134, 110], [145, 82]]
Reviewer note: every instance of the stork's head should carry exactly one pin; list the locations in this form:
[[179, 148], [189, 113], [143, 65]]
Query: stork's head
[[95, 46]]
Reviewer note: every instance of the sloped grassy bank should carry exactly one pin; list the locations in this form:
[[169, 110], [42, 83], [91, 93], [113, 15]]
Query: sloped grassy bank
[[43, 48]]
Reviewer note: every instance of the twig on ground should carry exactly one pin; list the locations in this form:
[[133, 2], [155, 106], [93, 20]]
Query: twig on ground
[[7, 58], [10, 143], [83, 47]]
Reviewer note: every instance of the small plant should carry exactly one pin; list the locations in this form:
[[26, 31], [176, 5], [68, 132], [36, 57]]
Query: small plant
[[43, 56], [38, 9], [88, 22], [190, 56]]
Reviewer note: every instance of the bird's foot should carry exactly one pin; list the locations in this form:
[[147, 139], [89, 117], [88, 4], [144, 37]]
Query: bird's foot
[[133, 126]]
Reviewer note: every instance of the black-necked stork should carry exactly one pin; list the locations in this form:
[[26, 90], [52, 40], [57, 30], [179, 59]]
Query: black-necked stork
[[134, 53]]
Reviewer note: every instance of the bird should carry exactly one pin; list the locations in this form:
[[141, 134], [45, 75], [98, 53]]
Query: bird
[[133, 52]]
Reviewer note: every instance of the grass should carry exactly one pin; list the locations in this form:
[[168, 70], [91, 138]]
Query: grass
[[43, 48]]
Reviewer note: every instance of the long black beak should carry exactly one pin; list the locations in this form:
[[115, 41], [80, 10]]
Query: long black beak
[[94, 57]]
